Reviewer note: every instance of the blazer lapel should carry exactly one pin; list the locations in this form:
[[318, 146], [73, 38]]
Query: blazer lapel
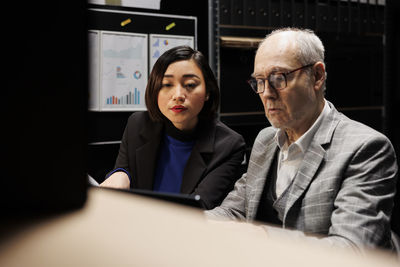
[[262, 156], [196, 164], [193, 172], [313, 158], [146, 156], [311, 162]]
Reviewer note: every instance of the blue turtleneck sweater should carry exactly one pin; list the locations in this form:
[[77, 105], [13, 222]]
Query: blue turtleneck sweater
[[172, 160]]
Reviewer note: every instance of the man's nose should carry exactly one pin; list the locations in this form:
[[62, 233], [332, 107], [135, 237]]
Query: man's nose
[[269, 91]]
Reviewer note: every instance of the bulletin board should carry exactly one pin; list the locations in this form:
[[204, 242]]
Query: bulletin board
[[123, 47]]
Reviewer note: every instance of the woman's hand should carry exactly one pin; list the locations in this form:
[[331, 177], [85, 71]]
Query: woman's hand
[[119, 180]]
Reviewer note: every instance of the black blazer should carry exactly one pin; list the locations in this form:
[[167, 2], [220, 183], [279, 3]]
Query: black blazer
[[211, 170]]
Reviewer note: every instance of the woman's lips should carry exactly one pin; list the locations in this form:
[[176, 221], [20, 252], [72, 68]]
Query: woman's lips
[[178, 108]]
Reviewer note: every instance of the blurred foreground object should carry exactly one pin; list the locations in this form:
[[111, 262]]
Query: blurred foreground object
[[115, 229]]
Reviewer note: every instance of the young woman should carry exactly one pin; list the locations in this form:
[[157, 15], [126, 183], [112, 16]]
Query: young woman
[[178, 145]]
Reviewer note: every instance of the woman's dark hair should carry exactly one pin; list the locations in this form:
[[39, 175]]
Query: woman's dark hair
[[154, 84]]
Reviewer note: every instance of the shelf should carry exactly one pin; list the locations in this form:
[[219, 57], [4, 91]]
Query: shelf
[[239, 42]]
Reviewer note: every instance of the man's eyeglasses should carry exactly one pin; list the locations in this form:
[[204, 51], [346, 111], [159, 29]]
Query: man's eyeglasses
[[277, 80]]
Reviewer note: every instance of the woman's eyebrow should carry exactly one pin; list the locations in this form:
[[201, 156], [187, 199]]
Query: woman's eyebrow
[[185, 76], [191, 76]]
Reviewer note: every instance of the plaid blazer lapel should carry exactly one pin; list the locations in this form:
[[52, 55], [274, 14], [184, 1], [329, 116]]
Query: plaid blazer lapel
[[311, 162], [260, 162]]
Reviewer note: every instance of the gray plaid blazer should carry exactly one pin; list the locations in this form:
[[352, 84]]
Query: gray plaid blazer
[[343, 190]]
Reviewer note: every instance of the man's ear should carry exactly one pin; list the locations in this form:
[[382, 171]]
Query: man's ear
[[319, 75]]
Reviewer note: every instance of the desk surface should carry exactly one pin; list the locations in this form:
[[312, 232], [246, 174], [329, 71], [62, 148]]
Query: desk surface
[[115, 229]]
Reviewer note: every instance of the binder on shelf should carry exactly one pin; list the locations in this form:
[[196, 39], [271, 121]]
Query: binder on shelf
[[299, 14], [275, 13], [237, 12], [333, 17], [286, 13], [373, 18], [323, 17], [354, 18], [380, 19], [262, 13], [311, 14], [225, 12], [344, 17], [249, 15], [364, 18]]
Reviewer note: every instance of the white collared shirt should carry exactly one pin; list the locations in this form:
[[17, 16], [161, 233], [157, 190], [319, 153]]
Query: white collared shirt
[[290, 157]]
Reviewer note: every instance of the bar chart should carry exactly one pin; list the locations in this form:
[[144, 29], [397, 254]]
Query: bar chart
[[132, 98]]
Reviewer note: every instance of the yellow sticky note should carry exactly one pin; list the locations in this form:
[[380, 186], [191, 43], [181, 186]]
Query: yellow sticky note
[[127, 21], [170, 26]]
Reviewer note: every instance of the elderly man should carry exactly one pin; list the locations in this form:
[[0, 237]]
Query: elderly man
[[315, 172]]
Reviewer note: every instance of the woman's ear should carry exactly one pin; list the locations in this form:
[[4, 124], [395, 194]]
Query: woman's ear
[[207, 97]]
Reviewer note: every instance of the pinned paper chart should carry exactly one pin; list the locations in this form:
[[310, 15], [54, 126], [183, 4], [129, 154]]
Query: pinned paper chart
[[123, 71], [161, 43]]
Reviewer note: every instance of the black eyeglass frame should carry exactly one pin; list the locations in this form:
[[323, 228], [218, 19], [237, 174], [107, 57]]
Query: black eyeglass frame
[[253, 81]]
